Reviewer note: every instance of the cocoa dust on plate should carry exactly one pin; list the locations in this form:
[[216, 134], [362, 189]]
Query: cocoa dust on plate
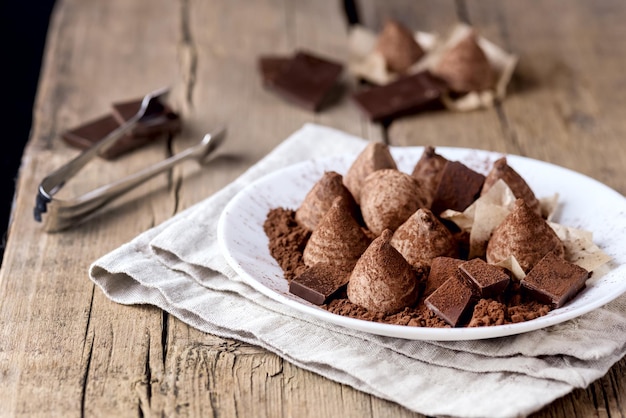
[[287, 240]]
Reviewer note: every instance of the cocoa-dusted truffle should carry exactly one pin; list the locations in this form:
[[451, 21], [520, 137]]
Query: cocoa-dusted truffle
[[465, 67], [397, 45], [526, 236], [382, 280], [388, 198], [428, 172], [452, 301], [519, 187], [375, 156], [320, 198], [441, 269], [488, 281], [458, 188], [554, 281], [423, 237], [338, 238]]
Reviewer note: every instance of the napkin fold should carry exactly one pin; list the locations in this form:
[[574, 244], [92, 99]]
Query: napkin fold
[[178, 266]]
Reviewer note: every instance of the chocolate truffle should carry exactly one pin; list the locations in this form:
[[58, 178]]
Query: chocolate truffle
[[441, 269], [382, 280], [320, 198], [388, 198], [554, 281], [397, 45], [428, 172], [458, 188], [487, 280], [465, 67], [452, 301], [525, 235], [423, 237], [519, 187], [338, 238], [319, 283], [375, 156]]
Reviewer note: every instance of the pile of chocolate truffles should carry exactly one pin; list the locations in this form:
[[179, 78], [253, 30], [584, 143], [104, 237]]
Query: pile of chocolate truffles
[[374, 239]]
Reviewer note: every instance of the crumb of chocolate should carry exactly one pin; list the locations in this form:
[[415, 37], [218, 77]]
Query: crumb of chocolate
[[418, 316], [526, 311], [488, 312], [287, 240]]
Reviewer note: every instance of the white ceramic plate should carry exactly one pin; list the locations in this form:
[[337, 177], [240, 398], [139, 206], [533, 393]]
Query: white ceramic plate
[[584, 203]]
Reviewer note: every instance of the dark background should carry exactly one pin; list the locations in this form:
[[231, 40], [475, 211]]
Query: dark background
[[23, 29]]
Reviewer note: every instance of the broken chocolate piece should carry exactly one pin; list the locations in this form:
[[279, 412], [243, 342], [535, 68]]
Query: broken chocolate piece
[[441, 269], [271, 67], [488, 280], [319, 283], [307, 80], [554, 281], [402, 97], [159, 118], [458, 188], [452, 301], [86, 135]]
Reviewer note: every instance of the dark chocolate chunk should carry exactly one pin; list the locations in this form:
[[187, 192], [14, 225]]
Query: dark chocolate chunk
[[158, 119], [458, 188], [488, 280], [402, 97], [319, 282], [441, 269], [86, 135], [554, 281], [453, 301], [271, 67], [307, 80]]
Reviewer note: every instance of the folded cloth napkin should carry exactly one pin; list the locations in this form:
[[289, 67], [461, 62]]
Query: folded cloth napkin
[[178, 267]]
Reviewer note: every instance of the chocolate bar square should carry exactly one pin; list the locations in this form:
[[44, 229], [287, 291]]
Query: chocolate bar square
[[86, 135], [441, 269], [458, 188], [554, 281], [271, 67], [402, 97], [487, 280], [319, 283], [452, 301], [306, 80]]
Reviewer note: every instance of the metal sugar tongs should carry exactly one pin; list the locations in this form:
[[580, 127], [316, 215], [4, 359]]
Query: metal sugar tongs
[[58, 214]]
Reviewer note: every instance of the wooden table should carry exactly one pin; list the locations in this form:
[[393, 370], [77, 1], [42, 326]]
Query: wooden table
[[66, 350]]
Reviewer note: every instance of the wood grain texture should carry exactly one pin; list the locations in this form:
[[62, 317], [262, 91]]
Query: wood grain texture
[[66, 350]]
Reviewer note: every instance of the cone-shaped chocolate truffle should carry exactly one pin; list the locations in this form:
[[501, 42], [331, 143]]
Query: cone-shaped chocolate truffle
[[388, 198], [465, 66], [374, 157], [320, 198], [382, 280], [428, 172], [398, 46], [526, 236], [338, 238], [423, 237], [519, 187]]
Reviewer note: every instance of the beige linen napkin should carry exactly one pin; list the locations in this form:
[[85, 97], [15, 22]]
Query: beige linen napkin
[[178, 267]]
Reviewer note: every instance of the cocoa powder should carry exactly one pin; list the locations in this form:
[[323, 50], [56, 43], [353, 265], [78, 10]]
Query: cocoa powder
[[287, 240]]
